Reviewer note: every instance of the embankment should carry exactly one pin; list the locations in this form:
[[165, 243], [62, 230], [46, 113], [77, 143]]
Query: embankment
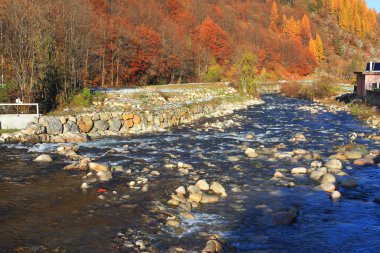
[[127, 112]]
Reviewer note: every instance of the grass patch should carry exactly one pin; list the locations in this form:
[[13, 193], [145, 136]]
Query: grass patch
[[362, 111], [352, 147], [8, 131]]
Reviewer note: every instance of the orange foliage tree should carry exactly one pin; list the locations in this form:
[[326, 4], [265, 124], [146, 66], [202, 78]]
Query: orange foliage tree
[[274, 17]]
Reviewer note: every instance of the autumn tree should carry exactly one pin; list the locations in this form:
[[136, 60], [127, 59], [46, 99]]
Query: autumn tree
[[320, 50], [291, 28], [209, 38], [274, 18], [316, 48], [247, 74], [313, 48], [305, 30]]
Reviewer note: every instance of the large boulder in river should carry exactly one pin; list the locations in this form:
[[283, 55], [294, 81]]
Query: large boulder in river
[[202, 185], [98, 167], [85, 124], [213, 246], [53, 125], [43, 159], [334, 166], [217, 188]]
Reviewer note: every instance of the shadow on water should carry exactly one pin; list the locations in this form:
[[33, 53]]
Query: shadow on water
[[41, 205]]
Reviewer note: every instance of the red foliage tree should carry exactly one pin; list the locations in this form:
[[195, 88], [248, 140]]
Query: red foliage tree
[[211, 37]]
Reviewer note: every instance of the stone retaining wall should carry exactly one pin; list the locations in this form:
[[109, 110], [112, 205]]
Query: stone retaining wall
[[80, 128]]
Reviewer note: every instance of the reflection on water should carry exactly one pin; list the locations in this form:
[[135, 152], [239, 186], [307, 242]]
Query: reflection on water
[[42, 205]]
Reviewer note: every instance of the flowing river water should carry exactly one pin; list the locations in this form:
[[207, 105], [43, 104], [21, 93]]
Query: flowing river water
[[42, 205]]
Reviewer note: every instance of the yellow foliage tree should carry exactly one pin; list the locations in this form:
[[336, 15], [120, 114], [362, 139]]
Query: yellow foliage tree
[[291, 28], [343, 18], [313, 47], [319, 45], [333, 6], [354, 15]]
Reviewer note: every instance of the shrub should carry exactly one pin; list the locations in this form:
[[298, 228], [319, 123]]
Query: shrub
[[213, 74], [83, 98], [362, 111], [291, 89], [322, 89], [248, 78], [100, 96]]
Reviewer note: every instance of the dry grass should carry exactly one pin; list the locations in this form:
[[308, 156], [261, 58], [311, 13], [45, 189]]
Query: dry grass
[[322, 89], [362, 111]]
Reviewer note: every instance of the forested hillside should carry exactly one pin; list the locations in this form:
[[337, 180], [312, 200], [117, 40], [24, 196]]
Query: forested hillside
[[54, 48]]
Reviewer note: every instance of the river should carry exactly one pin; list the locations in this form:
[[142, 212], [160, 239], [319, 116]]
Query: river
[[42, 205]]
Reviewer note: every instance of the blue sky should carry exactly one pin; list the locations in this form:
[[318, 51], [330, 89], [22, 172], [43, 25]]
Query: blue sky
[[374, 4]]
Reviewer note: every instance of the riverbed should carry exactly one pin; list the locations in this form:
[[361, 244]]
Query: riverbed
[[42, 205]]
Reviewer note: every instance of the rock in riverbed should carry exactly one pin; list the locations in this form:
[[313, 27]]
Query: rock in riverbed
[[327, 187], [43, 159], [285, 217], [335, 195], [217, 188], [251, 153], [334, 166], [104, 176], [364, 161], [299, 170], [353, 155], [208, 199], [181, 190], [348, 182], [328, 178], [195, 197], [173, 223], [316, 175], [213, 246], [202, 185], [98, 167]]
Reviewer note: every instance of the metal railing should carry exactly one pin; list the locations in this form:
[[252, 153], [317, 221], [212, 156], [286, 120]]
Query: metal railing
[[22, 104]]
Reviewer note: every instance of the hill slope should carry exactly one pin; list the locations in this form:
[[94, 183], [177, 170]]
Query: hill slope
[[68, 44]]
